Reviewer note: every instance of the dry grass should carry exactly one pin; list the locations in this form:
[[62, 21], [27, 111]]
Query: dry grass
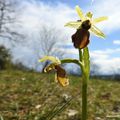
[[35, 96]]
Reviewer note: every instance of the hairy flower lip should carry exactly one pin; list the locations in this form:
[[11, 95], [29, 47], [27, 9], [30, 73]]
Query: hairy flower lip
[[81, 38], [60, 76]]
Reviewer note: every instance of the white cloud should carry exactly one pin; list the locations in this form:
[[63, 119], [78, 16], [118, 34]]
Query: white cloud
[[35, 14], [104, 59], [116, 42], [72, 51]]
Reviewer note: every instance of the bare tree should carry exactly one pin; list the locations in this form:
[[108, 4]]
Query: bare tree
[[47, 43], [8, 20]]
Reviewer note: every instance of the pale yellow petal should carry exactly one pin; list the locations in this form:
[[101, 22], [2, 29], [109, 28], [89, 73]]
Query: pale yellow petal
[[51, 58], [97, 31], [80, 13], [100, 19], [75, 25]]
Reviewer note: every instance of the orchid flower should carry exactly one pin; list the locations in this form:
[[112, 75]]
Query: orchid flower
[[60, 76], [85, 25]]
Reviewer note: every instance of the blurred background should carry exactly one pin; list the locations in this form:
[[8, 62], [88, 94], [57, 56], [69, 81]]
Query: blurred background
[[31, 29]]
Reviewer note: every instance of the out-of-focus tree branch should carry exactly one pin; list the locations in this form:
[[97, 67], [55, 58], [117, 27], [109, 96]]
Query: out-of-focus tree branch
[[8, 19], [47, 43]]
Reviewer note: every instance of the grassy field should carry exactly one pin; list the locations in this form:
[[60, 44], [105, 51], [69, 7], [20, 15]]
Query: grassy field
[[35, 96]]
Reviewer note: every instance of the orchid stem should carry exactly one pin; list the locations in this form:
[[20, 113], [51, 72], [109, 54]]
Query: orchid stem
[[84, 98], [84, 86]]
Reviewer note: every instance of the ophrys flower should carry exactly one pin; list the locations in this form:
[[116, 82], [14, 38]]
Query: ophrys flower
[[83, 26], [60, 75]]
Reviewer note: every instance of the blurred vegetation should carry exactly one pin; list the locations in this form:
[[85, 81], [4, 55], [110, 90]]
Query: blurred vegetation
[[34, 96], [6, 62], [5, 58]]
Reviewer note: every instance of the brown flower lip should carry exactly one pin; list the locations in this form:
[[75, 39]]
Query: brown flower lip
[[61, 75], [60, 71], [81, 37]]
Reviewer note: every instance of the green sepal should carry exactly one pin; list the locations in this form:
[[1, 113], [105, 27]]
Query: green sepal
[[73, 24], [80, 13], [96, 31], [50, 58]]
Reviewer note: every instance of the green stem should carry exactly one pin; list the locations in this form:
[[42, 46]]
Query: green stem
[[80, 55], [69, 60], [84, 86], [84, 98]]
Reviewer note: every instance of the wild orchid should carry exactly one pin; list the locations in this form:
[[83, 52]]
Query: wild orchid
[[80, 39]]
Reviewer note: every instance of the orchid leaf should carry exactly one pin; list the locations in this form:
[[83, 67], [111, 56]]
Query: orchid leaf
[[97, 31], [75, 25], [50, 58]]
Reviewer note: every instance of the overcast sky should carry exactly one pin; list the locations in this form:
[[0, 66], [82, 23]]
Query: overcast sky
[[105, 52]]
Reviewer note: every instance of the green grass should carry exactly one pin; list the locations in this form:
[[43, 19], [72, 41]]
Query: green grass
[[32, 96]]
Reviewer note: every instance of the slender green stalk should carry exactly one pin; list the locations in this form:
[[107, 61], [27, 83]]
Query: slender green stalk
[[84, 84], [84, 98], [80, 55]]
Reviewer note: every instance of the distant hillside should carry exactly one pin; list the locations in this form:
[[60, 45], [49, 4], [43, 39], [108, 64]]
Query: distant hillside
[[115, 77]]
